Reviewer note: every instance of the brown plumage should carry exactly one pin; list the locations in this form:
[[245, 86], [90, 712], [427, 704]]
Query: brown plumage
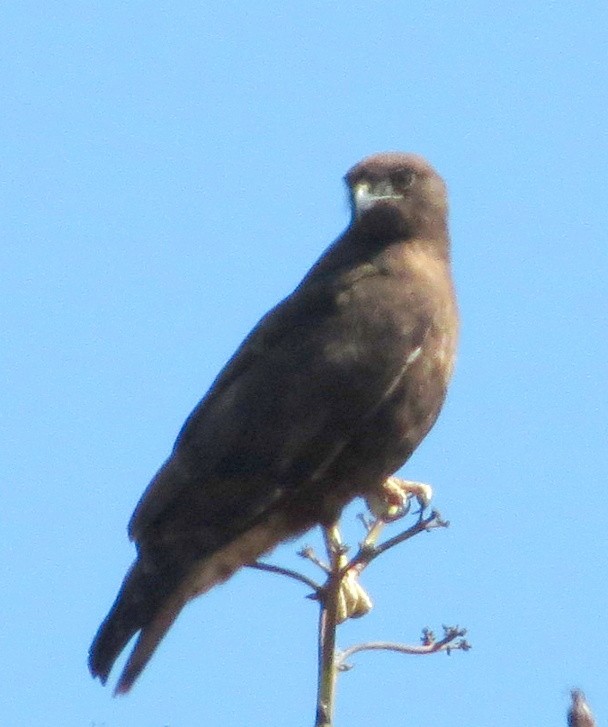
[[579, 714], [328, 396]]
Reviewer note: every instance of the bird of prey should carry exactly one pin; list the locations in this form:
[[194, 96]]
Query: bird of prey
[[327, 397], [579, 714]]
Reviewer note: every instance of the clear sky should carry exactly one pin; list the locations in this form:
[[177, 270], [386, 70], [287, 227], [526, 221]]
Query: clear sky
[[168, 172]]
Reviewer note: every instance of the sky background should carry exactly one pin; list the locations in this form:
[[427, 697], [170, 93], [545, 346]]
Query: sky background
[[168, 172]]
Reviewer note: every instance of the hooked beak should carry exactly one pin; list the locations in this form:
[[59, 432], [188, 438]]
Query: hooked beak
[[365, 195]]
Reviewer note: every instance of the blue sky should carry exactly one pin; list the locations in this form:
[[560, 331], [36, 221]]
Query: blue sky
[[169, 171]]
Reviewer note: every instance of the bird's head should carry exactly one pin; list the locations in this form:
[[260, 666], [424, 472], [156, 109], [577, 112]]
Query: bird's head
[[401, 193]]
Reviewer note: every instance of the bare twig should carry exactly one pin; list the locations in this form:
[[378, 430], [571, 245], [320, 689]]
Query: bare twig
[[259, 565], [434, 520], [342, 597], [369, 551], [366, 521], [328, 621], [308, 553], [453, 640]]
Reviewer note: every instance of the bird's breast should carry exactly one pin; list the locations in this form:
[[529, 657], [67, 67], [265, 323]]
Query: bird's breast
[[401, 337]]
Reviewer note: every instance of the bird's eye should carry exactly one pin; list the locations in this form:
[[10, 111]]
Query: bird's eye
[[403, 179]]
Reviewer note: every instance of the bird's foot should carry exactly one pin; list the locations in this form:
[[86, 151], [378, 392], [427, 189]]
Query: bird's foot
[[353, 601], [392, 499]]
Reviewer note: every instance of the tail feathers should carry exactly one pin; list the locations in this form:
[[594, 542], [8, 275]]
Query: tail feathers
[[151, 598], [149, 638], [113, 635], [143, 599], [121, 623]]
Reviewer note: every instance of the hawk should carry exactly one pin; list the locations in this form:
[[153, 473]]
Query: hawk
[[326, 398]]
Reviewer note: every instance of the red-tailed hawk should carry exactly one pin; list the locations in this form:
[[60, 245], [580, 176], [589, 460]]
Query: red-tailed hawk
[[327, 397]]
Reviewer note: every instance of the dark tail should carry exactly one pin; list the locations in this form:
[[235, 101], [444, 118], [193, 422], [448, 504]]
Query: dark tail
[[158, 586], [147, 602]]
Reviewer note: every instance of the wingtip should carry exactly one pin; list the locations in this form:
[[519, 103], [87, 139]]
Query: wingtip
[[94, 671], [103, 674], [102, 679], [122, 688], [124, 684]]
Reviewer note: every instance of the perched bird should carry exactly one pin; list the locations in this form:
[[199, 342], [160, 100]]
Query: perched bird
[[579, 714], [326, 398]]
